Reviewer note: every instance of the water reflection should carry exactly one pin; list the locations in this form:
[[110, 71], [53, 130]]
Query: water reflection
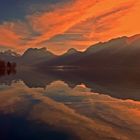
[[46, 107], [4, 72], [115, 84]]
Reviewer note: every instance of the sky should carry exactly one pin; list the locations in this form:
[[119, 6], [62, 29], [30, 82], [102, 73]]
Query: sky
[[59, 25]]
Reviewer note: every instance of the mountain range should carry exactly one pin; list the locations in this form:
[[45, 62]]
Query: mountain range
[[118, 52]]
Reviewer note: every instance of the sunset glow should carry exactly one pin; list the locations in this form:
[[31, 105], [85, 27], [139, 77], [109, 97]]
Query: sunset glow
[[59, 26]]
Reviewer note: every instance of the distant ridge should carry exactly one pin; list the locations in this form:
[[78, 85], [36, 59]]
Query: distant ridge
[[119, 52], [113, 53]]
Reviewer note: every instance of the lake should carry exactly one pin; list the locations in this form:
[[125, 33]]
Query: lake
[[67, 105]]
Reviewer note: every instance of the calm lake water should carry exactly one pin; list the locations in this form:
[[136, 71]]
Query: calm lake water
[[62, 106]]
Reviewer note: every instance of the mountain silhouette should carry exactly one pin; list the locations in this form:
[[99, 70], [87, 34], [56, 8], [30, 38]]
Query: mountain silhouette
[[9, 56], [123, 52], [34, 56], [64, 59]]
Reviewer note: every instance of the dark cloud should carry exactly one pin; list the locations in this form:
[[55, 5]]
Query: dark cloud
[[67, 37], [13, 9]]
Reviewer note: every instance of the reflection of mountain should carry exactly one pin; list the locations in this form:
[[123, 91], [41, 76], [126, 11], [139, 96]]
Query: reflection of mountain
[[110, 82], [114, 84], [31, 78]]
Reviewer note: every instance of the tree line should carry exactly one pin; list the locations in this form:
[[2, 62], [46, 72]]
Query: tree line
[[7, 68], [7, 65]]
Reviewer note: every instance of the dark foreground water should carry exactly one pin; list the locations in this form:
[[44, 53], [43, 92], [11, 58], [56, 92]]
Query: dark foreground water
[[64, 106]]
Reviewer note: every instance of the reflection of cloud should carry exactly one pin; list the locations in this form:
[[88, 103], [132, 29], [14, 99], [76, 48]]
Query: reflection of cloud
[[84, 113], [102, 108]]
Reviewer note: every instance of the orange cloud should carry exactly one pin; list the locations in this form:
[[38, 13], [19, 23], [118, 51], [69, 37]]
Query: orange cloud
[[93, 20], [113, 23], [61, 20], [8, 37], [12, 34]]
